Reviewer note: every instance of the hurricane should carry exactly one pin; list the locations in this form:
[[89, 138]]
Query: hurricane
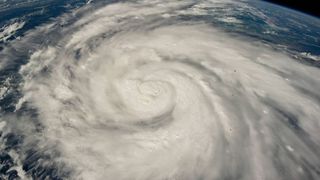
[[132, 90]]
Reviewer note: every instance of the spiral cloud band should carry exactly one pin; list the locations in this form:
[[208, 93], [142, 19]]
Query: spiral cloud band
[[131, 90]]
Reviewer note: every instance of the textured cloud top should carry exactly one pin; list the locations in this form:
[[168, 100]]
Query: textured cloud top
[[131, 90]]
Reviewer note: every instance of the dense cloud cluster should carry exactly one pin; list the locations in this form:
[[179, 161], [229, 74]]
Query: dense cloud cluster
[[132, 91]]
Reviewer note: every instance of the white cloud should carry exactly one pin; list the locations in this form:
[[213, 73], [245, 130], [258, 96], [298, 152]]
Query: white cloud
[[122, 97], [9, 30]]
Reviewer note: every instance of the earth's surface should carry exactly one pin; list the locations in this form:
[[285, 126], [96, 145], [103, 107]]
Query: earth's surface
[[158, 90]]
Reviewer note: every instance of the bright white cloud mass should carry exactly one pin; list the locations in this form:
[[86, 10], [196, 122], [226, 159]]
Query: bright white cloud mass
[[131, 91]]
